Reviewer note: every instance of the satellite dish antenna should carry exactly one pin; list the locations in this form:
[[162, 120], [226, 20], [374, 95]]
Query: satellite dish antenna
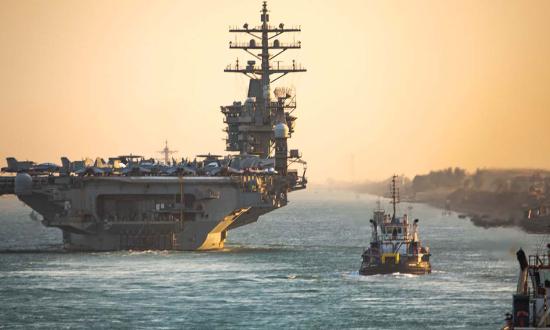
[[283, 92], [279, 92]]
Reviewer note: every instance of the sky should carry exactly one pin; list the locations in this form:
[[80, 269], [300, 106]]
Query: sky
[[392, 86]]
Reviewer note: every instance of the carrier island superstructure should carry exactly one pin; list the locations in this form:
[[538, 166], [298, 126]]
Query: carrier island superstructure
[[129, 202]]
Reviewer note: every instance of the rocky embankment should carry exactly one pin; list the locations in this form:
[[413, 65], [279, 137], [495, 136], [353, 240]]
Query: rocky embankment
[[489, 198], [484, 209]]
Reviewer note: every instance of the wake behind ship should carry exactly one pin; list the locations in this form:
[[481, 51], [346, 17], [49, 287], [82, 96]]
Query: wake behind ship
[[130, 202], [395, 246]]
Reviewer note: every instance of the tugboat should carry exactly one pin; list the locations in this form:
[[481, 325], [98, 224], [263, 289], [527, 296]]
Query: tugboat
[[395, 246], [531, 303]]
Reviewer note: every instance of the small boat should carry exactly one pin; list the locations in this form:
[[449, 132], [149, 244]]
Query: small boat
[[447, 210], [531, 302], [395, 245]]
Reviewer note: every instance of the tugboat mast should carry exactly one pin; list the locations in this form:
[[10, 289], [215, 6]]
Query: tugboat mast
[[394, 195]]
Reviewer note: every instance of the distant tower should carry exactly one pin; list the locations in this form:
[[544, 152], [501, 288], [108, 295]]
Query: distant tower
[[251, 126], [166, 152], [352, 167]]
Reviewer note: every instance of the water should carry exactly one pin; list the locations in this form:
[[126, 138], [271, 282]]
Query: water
[[296, 268]]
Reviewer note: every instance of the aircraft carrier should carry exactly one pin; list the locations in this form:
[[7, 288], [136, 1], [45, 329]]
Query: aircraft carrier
[[129, 202]]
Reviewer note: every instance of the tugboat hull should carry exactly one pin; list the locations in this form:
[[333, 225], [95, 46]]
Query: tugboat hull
[[404, 268], [395, 246]]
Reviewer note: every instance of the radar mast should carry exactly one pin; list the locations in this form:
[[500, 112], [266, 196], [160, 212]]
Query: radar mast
[[252, 133]]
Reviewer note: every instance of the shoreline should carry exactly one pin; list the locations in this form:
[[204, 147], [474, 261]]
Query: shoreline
[[487, 215], [483, 208]]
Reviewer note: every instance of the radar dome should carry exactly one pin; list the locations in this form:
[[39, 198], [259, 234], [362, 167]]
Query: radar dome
[[281, 131], [23, 184]]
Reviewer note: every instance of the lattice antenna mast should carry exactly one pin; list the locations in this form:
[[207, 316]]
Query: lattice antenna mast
[[394, 191], [263, 39], [167, 153]]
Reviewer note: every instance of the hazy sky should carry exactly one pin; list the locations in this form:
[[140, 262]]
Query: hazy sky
[[393, 86]]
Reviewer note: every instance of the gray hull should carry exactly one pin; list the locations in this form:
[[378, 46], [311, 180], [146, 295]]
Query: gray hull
[[140, 213]]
